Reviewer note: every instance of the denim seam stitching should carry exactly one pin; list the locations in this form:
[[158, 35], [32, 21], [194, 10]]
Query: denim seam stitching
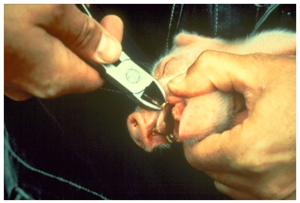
[[28, 166]]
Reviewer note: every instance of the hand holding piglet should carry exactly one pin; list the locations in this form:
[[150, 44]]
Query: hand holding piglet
[[256, 159]]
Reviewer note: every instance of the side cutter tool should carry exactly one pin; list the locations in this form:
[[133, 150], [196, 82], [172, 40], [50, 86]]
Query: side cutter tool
[[132, 80]]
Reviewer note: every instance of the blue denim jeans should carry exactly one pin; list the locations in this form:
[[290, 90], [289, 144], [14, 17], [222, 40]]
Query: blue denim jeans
[[77, 146]]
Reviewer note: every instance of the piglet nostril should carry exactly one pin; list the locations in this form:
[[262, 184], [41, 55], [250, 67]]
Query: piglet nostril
[[134, 128], [134, 123], [141, 126]]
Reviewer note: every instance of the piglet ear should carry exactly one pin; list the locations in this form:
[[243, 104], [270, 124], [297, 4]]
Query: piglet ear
[[185, 39]]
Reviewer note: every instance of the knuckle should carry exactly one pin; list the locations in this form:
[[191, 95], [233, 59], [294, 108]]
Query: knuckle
[[46, 94], [248, 160], [85, 35], [45, 91], [250, 163], [204, 59], [208, 54], [58, 11]]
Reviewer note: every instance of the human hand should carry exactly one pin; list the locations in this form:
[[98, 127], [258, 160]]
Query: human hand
[[257, 158], [42, 45]]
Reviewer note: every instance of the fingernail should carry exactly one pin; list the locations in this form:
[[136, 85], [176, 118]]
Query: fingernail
[[108, 49]]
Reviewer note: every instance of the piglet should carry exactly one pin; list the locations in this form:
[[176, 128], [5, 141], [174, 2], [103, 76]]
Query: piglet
[[192, 119]]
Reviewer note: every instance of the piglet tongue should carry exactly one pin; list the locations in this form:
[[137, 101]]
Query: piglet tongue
[[202, 115], [192, 118], [177, 114]]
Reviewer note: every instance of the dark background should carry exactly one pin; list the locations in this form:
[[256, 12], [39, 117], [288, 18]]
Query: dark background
[[83, 137]]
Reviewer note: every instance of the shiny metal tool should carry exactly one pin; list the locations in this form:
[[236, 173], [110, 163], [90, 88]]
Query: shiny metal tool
[[132, 80]]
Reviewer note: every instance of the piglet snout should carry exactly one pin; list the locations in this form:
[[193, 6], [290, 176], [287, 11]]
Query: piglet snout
[[144, 129]]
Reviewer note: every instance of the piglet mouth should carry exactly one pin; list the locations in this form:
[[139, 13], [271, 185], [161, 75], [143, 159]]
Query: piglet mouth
[[165, 124]]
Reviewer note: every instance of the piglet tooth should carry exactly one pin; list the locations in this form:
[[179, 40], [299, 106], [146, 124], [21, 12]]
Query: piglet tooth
[[156, 132], [171, 138]]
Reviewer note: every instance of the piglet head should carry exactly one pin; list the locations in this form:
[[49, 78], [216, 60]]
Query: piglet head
[[187, 119]]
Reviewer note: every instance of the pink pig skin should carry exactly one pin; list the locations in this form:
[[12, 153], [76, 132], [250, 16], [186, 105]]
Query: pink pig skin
[[198, 117]]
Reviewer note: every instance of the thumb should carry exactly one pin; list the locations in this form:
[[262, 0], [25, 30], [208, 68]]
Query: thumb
[[212, 69], [85, 36], [189, 85], [114, 25]]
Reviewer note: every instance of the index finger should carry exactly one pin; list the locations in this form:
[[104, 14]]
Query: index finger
[[212, 69], [83, 34]]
